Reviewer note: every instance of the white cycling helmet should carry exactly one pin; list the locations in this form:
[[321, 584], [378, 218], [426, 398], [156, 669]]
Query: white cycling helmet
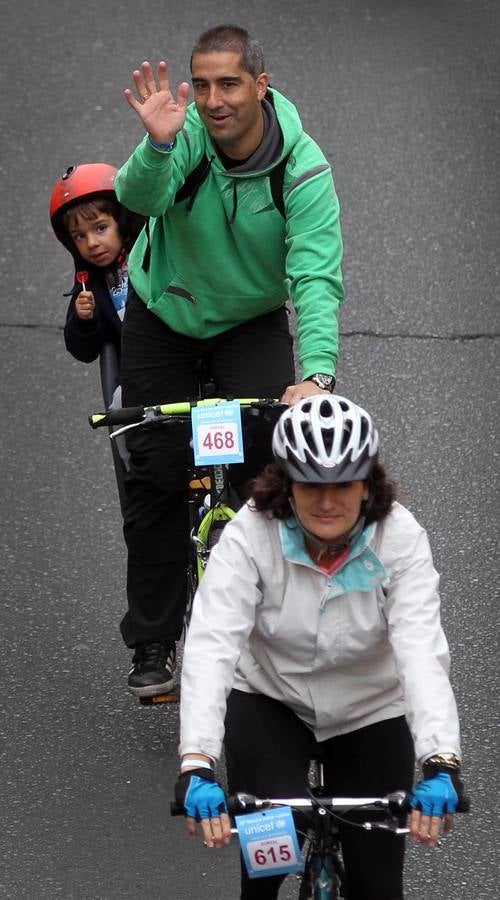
[[325, 439]]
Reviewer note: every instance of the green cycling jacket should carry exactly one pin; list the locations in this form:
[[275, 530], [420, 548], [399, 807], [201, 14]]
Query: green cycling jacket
[[226, 254]]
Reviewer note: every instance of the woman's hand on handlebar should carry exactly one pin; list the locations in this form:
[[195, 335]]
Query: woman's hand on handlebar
[[205, 802], [434, 802], [216, 831]]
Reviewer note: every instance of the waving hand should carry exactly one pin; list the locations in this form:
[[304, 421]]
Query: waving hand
[[162, 114]]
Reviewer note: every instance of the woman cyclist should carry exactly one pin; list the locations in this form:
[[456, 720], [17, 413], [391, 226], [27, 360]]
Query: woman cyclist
[[317, 623]]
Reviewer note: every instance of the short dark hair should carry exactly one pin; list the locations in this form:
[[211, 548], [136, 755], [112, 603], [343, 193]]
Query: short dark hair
[[270, 493], [90, 209], [223, 38]]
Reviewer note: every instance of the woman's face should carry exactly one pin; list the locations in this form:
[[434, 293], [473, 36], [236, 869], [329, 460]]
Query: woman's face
[[329, 511]]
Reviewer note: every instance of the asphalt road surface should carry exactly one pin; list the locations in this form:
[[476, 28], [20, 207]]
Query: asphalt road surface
[[403, 98]]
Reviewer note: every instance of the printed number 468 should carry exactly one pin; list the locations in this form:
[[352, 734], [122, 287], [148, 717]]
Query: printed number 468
[[218, 440]]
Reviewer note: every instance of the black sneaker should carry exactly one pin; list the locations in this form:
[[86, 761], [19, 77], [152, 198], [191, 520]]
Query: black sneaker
[[153, 664]]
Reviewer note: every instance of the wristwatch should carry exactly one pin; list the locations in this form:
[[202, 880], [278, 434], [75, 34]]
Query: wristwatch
[[440, 762], [325, 382]]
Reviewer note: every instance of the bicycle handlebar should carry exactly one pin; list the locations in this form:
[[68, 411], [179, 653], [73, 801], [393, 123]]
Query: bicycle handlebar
[[396, 803], [148, 415], [241, 803]]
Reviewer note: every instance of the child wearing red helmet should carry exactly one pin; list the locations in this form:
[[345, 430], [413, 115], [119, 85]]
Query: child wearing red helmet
[[99, 233]]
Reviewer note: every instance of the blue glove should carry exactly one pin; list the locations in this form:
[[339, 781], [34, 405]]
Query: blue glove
[[435, 796], [200, 795]]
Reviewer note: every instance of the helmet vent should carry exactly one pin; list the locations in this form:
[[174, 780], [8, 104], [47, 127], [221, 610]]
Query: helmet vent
[[327, 440], [346, 437]]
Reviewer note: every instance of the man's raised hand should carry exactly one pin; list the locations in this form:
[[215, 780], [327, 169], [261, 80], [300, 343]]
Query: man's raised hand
[[162, 114]]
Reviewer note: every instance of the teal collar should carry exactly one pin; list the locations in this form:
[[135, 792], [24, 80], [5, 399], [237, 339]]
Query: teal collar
[[361, 571]]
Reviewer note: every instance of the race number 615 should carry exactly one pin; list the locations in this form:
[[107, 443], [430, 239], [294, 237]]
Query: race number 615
[[271, 854]]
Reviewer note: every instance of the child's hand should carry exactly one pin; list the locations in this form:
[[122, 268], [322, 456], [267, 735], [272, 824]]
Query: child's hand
[[85, 305]]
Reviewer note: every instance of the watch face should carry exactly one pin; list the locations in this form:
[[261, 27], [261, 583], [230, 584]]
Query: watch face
[[326, 382]]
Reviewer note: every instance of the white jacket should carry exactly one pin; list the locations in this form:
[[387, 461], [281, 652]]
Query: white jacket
[[343, 651]]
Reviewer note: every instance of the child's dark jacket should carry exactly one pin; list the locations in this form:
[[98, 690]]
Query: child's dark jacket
[[85, 338]]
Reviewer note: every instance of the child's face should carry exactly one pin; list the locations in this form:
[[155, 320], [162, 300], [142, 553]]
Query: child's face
[[98, 240]]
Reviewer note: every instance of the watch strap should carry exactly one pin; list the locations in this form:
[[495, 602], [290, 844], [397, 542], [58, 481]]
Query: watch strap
[[323, 381]]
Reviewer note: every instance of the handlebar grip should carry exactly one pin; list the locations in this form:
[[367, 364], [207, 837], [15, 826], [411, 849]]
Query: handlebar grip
[[126, 416], [176, 810]]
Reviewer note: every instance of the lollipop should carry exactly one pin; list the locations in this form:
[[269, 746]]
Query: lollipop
[[82, 277]]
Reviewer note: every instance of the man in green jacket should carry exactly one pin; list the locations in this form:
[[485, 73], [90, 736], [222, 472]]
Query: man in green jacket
[[242, 215]]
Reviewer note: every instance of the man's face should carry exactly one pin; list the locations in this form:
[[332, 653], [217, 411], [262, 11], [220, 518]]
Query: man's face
[[228, 100]]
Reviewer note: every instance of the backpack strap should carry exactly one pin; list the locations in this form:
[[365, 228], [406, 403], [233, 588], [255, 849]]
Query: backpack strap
[[147, 255], [276, 180], [196, 178], [190, 188]]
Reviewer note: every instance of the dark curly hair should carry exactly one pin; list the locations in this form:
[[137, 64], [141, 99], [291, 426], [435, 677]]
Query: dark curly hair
[[270, 493]]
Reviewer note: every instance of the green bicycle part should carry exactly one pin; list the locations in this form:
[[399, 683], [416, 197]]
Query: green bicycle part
[[220, 513], [96, 418], [179, 409], [176, 409]]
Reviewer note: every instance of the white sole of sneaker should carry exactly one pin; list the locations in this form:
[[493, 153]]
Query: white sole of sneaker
[[151, 690]]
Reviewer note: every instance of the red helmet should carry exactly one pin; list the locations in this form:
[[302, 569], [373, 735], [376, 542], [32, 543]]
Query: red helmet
[[78, 183]]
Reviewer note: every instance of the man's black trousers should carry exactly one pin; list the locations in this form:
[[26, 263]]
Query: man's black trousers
[[159, 366]]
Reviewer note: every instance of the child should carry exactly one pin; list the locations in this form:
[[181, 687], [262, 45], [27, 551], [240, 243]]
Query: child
[[99, 233]]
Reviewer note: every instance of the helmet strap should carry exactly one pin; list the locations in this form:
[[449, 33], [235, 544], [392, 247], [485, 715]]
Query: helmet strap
[[120, 259]]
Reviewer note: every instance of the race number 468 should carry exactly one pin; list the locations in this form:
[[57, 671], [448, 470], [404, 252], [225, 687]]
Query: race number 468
[[217, 434], [213, 440]]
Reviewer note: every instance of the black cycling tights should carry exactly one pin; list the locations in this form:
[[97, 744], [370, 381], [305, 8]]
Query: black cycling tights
[[267, 753]]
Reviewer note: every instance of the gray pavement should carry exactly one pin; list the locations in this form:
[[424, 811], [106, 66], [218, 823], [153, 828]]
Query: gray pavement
[[403, 99]]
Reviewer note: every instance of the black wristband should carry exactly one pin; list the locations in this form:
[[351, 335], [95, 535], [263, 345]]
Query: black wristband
[[183, 780]]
